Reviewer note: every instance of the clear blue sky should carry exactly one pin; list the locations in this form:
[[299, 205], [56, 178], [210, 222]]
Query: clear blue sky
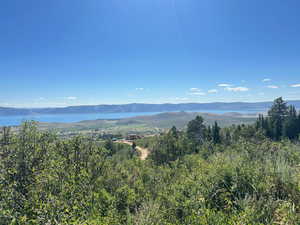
[[72, 52]]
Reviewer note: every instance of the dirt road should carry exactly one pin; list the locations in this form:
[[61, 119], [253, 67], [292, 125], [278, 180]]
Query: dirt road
[[144, 152]]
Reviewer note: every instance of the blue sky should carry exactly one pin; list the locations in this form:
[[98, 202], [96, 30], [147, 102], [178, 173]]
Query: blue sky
[[74, 52]]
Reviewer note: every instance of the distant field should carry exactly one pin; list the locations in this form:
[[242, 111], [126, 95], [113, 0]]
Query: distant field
[[147, 124]]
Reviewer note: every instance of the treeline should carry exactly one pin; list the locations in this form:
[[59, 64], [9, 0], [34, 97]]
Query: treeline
[[282, 122], [202, 175]]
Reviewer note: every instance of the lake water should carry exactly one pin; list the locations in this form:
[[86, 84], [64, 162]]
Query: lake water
[[70, 118]]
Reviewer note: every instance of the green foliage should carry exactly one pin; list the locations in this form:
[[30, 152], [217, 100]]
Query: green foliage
[[170, 147], [216, 137], [196, 130], [282, 121], [207, 175]]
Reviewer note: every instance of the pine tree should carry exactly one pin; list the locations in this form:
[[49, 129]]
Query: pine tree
[[5, 136], [290, 127], [208, 133], [216, 133], [277, 115], [260, 122], [174, 132], [227, 136], [109, 145], [196, 130]]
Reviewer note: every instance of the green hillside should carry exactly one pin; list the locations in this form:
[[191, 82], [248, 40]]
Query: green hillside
[[148, 124], [202, 175]]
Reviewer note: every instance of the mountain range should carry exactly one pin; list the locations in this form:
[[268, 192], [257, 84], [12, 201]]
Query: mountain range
[[138, 107]]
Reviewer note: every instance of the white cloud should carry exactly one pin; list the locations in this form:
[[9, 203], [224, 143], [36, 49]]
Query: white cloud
[[195, 89], [295, 85], [71, 98], [213, 91], [181, 99], [272, 86], [6, 104], [266, 80], [236, 89], [139, 89], [197, 93], [224, 85]]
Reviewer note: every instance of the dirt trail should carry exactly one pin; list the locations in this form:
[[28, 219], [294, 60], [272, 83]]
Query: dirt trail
[[144, 152]]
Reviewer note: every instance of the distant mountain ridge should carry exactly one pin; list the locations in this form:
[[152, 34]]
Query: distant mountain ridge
[[139, 107]]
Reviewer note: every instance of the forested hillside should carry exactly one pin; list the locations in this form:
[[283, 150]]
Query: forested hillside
[[241, 174]]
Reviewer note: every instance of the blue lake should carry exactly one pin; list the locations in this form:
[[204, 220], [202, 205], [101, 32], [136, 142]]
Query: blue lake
[[70, 118]]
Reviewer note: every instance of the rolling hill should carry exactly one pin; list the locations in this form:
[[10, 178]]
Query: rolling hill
[[136, 107], [148, 124]]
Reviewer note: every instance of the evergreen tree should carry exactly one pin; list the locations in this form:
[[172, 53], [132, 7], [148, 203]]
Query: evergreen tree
[[109, 145], [227, 136], [277, 115], [5, 136], [290, 126], [282, 122], [196, 130], [264, 125], [261, 122], [174, 132], [237, 130], [216, 133], [208, 134]]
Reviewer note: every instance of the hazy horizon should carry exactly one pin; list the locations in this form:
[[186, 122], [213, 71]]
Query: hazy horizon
[[144, 103]]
